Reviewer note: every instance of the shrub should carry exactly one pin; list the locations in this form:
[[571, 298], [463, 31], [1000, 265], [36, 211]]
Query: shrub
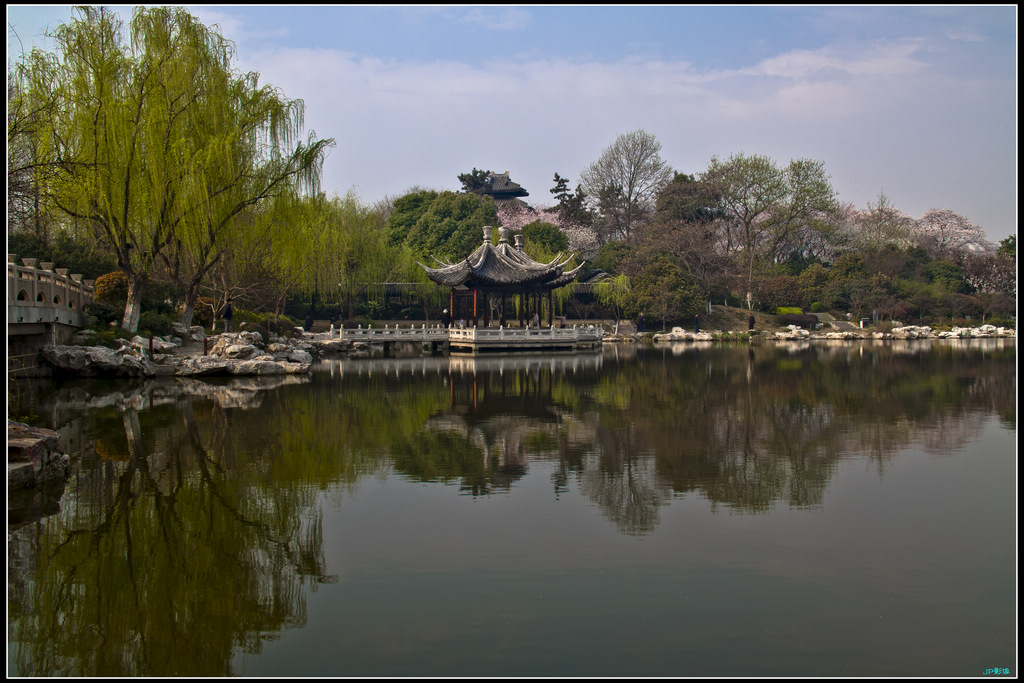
[[816, 307], [155, 323], [789, 310], [803, 320], [102, 314], [111, 288], [110, 338]]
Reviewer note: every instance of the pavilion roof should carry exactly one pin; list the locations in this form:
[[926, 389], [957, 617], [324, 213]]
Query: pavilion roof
[[500, 186], [502, 266]]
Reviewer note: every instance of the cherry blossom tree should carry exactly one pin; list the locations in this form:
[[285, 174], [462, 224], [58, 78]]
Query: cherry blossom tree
[[945, 233], [582, 238]]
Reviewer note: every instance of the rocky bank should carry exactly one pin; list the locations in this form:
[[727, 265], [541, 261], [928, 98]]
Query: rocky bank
[[190, 353]]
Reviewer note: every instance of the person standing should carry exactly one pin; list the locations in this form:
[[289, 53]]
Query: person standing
[[641, 324], [750, 323], [226, 314]]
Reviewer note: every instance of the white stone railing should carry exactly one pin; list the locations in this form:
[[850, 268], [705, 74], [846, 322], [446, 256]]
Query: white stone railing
[[393, 334], [473, 335], [529, 334], [45, 293]]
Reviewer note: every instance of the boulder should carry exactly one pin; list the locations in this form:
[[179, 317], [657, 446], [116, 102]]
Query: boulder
[[158, 344], [33, 455], [99, 361]]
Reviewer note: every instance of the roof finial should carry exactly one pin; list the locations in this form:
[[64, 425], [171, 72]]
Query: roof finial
[[487, 233], [502, 235]]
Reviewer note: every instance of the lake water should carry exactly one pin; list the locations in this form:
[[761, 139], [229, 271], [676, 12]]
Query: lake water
[[820, 509]]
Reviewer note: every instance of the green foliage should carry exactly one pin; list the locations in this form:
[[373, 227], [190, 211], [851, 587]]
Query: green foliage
[[64, 250], [475, 180], [613, 293], [450, 226], [688, 200], [101, 315], [663, 290], [155, 323], [405, 212], [612, 255], [812, 282], [1008, 247], [783, 310], [161, 146], [847, 266], [545, 236], [948, 276]]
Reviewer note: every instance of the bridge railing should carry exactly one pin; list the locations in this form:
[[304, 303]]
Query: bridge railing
[[566, 334], [44, 287], [389, 334], [472, 334]]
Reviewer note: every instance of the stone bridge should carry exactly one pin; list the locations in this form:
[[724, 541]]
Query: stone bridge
[[45, 305]]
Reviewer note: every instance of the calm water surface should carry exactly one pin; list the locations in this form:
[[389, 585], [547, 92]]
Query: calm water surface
[[809, 510]]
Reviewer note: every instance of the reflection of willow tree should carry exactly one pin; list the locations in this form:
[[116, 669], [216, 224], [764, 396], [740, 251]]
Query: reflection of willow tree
[[184, 546]]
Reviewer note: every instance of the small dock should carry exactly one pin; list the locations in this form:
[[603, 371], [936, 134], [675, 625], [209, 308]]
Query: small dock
[[478, 340]]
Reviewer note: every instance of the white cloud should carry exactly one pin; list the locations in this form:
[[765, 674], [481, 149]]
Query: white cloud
[[498, 18]]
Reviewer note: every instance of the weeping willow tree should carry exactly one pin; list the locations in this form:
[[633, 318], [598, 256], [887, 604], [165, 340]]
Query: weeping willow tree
[[161, 145]]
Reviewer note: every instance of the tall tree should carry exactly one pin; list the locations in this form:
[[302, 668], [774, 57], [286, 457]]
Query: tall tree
[[750, 189], [243, 139], [475, 181], [626, 179], [946, 234], [159, 142], [809, 203], [882, 225]]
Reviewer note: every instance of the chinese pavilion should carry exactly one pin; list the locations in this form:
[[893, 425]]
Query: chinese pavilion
[[494, 272]]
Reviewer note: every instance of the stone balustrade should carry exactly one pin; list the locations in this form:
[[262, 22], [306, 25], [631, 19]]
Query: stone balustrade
[[44, 294]]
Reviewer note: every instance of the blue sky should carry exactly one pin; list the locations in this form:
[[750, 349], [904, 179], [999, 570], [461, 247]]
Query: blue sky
[[917, 102]]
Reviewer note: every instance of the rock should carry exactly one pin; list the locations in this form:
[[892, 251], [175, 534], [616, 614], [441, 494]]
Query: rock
[[198, 366], [300, 356], [794, 332], [679, 334], [235, 351], [33, 456], [258, 367], [158, 345], [99, 361]]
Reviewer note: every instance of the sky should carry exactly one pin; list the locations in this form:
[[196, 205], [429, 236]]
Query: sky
[[916, 102]]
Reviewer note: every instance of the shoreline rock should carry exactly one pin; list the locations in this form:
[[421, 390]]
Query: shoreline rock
[[33, 456], [227, 354]]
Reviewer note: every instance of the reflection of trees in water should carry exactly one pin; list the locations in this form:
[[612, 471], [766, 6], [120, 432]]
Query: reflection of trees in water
[[749, 430], [166, 557], [189, 528], [746, 428]]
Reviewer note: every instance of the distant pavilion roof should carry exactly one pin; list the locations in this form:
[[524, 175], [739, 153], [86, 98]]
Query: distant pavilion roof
[[503, 191], [499, 186], [503, 267]]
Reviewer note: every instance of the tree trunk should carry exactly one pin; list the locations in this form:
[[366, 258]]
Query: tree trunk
[[188, 310], [133, 306]]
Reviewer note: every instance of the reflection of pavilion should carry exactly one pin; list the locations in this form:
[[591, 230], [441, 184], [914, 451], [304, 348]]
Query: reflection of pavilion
[[501, 271], [506, 409]]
